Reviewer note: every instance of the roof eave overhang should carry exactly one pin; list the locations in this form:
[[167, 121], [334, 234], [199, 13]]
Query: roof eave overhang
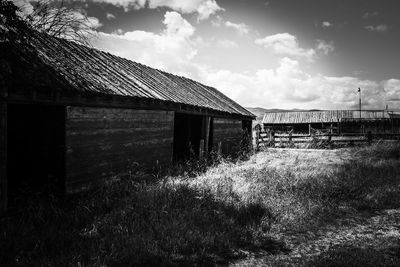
[[74, 98]]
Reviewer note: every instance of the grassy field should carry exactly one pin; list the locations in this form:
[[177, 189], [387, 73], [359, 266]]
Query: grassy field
[[280, 207]]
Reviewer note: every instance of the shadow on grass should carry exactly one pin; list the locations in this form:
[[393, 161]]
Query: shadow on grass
[[363, 185], [388, 255], [130, 223]]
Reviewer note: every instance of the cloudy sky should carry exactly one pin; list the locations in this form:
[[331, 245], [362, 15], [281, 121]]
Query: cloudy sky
[[264, 53]]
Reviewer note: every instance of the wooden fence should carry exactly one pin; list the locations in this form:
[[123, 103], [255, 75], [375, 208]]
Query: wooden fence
[[316, 139]]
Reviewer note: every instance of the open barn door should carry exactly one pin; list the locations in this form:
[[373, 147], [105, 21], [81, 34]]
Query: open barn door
[[193, 136], [35, 151]]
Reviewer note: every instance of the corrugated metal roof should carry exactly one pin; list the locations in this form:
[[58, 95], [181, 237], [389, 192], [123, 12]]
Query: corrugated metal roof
[[88, 70], [325, 116]]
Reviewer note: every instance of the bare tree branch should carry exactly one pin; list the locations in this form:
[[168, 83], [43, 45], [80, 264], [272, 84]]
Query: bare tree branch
[[58, 20]]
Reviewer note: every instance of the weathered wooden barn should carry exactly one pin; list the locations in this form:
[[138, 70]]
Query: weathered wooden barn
[[334, 121], [71, 116]]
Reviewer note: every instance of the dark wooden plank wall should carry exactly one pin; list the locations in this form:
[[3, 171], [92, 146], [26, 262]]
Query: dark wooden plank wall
[[385, 126], [103, 142], [3, 157], [228, 134]]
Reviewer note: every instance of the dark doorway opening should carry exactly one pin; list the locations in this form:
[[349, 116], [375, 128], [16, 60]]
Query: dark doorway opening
[[187, 136], [193, 134], [35, 151]]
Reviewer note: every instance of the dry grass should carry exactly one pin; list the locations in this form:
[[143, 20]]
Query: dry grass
[[215, 217]]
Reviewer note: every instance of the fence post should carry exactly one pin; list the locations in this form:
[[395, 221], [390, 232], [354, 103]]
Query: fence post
[[272, 138], [309, 129], [290, 142]]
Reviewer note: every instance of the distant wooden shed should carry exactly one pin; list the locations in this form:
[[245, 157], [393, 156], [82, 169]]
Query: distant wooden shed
[[342, 121], [71, 116]]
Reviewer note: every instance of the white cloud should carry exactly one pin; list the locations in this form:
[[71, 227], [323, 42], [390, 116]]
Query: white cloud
[[377, 28], [110, 16], [227, 44], [217, 21], [392, 90], [127, 4], [288, 86], [92, 22], [326, 24], [118, 32], [368, 15], [241, 28], [282, 86], [203, 8], [171, 50], [177, 26], [325, 47], [286, 44], [208, 8]]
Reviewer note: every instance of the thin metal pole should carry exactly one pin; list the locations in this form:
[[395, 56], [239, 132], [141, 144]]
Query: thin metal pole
[[359, 100]]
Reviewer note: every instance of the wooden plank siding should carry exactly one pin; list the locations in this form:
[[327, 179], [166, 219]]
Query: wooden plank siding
[[227, 136], [103, 142], [3, 157]]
